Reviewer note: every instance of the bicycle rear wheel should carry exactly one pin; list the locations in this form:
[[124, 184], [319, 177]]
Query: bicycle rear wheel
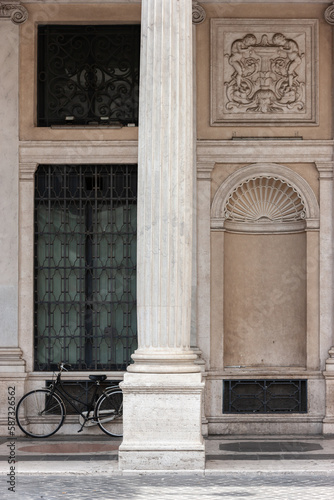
[[109, 413], [40, 413]]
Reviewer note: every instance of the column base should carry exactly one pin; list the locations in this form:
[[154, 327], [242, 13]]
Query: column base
[[162, 422], [161, 360]]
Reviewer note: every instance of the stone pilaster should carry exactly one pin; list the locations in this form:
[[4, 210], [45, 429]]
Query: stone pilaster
[[326, 288], [10, 354], [26, 260], [328, 422], [162, 389], [326, 258], [204, 172], [12, 364]]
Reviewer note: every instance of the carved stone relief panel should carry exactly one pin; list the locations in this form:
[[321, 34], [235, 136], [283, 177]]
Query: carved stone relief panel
[[264, 71]]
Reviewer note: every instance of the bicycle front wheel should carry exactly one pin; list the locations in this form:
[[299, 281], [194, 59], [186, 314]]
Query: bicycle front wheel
[[109, 413], [40, 413]]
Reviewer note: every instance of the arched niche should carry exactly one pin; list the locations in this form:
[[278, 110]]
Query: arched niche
[[264, 222]]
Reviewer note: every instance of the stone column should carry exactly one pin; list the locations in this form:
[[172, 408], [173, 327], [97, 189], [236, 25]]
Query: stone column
[[162, 389], [10, 354]]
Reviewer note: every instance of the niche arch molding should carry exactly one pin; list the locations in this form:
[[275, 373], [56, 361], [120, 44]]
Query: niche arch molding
[[265, 170]]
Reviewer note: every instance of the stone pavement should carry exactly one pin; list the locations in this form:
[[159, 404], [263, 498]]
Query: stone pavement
[[253, 486], [86, 467]]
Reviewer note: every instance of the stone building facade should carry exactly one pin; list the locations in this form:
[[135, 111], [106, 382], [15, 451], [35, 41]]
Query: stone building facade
[[232, 317]]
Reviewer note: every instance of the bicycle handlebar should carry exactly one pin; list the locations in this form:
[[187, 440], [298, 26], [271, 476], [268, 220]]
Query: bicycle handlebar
[[64, 366]]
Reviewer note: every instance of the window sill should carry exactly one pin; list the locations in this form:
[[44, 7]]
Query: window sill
[[89, 127]]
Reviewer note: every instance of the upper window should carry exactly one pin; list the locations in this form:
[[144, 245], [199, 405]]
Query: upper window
[[88, 75]]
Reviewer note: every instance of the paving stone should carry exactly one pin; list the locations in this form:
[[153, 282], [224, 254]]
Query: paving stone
[[253, 486]]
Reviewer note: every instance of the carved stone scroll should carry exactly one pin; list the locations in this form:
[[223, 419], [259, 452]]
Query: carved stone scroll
[[14, 11], [329, 14], [263, 71], [199, 14]]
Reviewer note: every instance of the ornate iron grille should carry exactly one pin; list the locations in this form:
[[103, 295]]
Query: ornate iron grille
[[265, 396], [85, 266], [88, 74]]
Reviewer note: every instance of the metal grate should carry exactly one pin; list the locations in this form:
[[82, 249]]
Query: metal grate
[[264, 396], [85, 266], [88, 74]]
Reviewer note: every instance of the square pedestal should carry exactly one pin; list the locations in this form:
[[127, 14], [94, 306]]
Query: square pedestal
[[162, 422]]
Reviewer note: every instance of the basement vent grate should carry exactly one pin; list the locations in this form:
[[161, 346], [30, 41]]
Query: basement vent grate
[[264, 396]]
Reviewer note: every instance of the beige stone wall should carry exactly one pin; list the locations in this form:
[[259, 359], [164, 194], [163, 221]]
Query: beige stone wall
[[266, 10]]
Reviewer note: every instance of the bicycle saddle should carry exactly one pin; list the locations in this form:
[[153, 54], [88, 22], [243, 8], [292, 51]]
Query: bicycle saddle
[[97, 378]]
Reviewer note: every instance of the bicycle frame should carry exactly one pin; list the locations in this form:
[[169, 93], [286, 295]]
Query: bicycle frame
[[58, 388]]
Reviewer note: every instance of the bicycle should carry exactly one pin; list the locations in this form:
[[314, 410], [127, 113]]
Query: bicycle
[[41, 413]]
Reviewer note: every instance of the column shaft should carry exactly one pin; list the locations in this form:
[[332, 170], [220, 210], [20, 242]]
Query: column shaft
[[165, 186]]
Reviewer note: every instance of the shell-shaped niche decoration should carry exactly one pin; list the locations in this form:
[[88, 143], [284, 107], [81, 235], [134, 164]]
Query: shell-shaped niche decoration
[[264, 199]]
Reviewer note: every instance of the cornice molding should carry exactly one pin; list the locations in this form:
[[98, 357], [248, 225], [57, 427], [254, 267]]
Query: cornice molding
[[13, 11], [329, 14], [78, 152], [251, 151], [199, 14]]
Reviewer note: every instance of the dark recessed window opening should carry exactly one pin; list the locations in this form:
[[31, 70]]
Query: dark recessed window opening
[[88, 75], [85, 266], [265, 396]]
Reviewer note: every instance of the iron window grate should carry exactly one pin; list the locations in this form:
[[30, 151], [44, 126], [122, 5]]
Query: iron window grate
[[265, 396], [88, 75], [85, 266]]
